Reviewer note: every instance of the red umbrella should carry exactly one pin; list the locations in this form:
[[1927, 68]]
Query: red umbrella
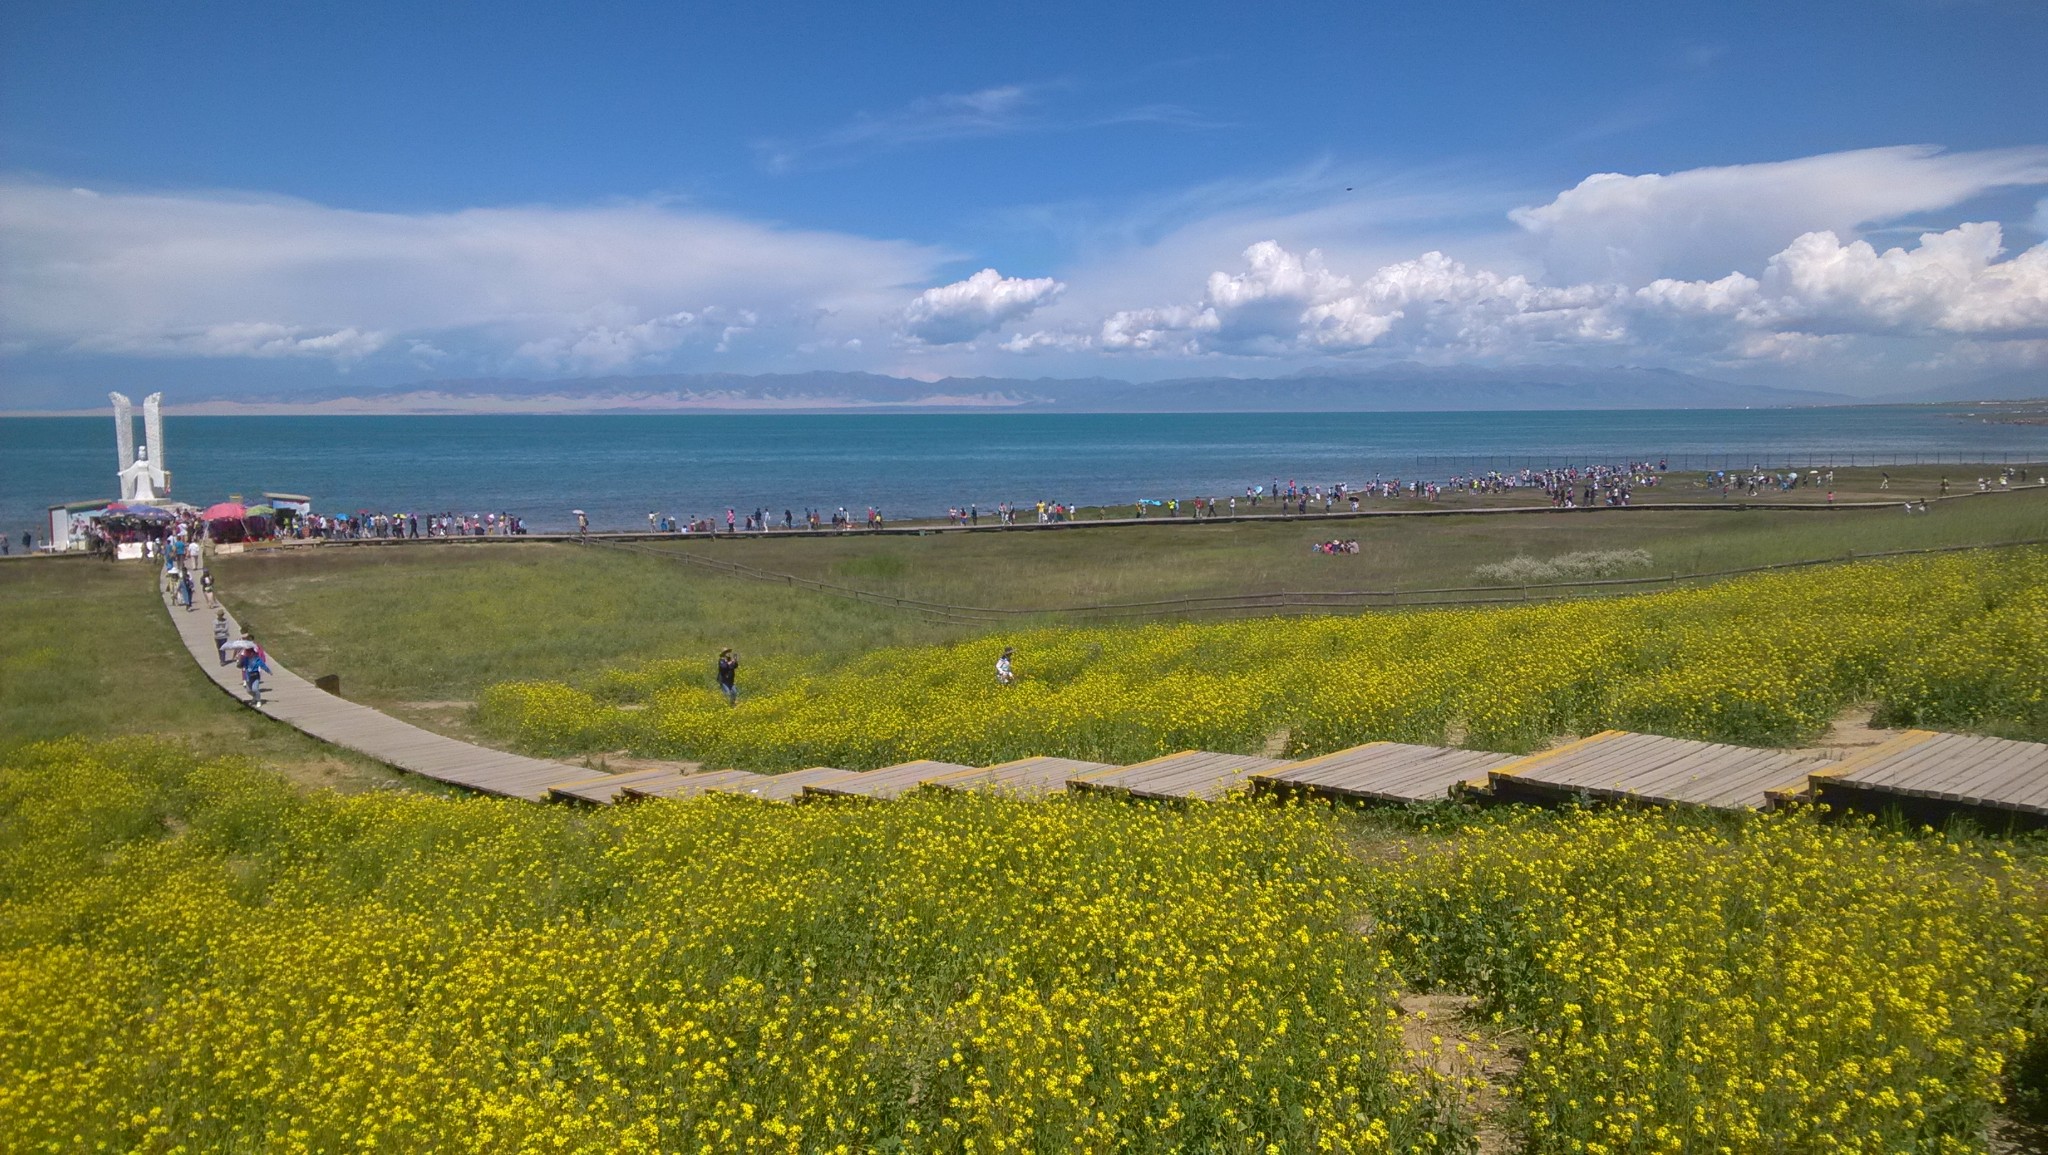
[[224, 509]]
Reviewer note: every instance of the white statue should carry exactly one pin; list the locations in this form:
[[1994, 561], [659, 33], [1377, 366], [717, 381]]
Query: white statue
[[137, 481], [142, 472]]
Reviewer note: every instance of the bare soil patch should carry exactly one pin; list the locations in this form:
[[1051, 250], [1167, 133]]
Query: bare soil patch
[[1443, 1032]]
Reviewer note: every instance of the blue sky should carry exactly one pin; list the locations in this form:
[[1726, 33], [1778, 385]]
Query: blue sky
[[252, 198]]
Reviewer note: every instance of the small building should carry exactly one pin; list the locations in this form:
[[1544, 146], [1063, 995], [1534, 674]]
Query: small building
[[68, 521], [292, 508]]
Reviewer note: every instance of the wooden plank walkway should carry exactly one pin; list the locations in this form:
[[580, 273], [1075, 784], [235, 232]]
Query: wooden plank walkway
[[1191, 774], [1025, 777], [888, 782], [1958, 769], [1384, 772], [1621, 766], [1922, 767], [784, 787], [604, 789], [691, 785], [298, 703]]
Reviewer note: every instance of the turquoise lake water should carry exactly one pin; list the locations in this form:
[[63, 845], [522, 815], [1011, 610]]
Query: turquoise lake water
[[619, 467]]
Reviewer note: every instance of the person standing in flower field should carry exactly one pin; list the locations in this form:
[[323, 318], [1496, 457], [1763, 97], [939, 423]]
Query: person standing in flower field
[[728, 675], [1005, 675]]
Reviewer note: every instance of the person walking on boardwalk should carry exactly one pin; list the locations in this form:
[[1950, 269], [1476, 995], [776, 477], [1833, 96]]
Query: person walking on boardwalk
[[220, 634], [728, 675], [185, 589], [253, 666], [206, 586], [1004, 674]]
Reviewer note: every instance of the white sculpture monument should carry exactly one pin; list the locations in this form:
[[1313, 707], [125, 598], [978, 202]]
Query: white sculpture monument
[[142, 468]]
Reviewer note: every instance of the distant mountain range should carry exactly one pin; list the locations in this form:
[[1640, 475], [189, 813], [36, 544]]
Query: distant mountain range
[[2018, 385], [1391, 388]]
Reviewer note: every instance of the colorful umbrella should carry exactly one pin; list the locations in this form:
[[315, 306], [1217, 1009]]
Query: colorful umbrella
[[224, 509]]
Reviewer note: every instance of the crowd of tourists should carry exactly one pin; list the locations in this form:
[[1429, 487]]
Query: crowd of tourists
[[364, 525]]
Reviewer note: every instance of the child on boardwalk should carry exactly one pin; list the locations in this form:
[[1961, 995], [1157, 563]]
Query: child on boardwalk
[[253, 668]]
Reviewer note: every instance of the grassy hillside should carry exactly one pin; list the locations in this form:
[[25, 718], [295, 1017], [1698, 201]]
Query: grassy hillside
[[86, 650], [438, 624]]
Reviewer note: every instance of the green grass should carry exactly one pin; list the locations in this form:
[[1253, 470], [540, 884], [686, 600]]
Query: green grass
[[87, 651], [1083, 567], [437, 624]]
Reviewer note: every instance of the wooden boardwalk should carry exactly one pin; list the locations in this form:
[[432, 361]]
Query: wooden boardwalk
[[1195, 775], [1925, 773], [297, 702], [888, 782], [1385, 772], [605, 789], [786, 787], [1959, 770], [691, 785], [1025, 777], [1625, 767]]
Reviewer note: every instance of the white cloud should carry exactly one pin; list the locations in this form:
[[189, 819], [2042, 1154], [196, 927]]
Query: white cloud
[[926, 120], [1811, 294], [243, 339], [603, 347], [963, 310], [1730, 296], [591, 287], [1045, 340], [1292, 303], [1002, 110], [1951, 283], [1631, 229], [1703, 269], [1175, 327]]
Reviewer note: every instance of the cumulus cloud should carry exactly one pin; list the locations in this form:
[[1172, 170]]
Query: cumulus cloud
[[1287, 302], [1950, 283], [1750, 264], [1810, 294], [1634, 228], [959, 312], [591, 287]]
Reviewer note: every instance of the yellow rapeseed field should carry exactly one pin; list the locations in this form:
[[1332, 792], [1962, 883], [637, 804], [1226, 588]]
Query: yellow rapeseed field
[[1950, 641], [195, 957], [1770, 985]]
